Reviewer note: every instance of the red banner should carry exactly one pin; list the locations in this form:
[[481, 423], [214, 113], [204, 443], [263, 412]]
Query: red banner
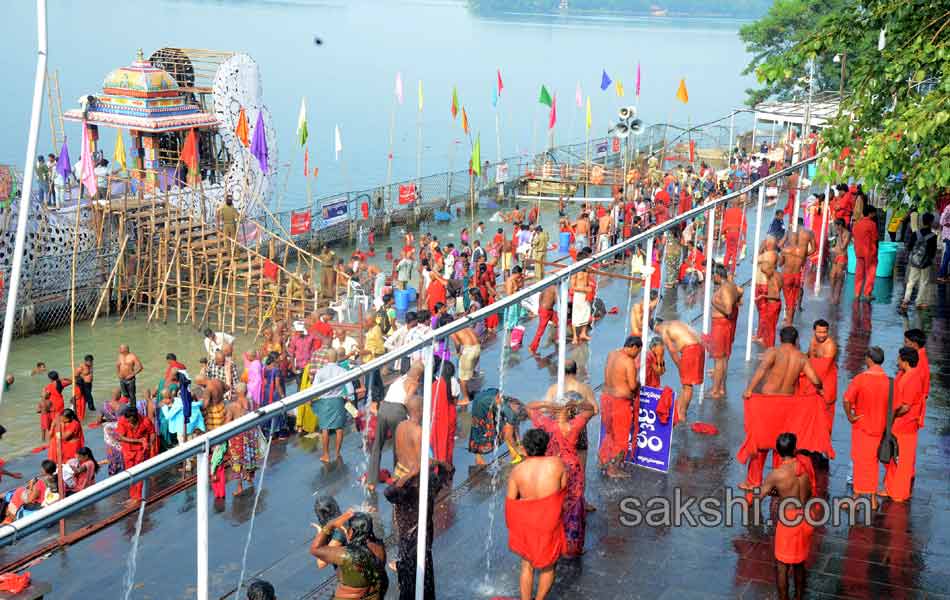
[[616, 145], [299, 222], [692, 151], [407, 193]]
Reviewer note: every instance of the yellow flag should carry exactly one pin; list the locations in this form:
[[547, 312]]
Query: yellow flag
[[420, 95], [588, 113], [619, 88], [118, 157], [681, 94]]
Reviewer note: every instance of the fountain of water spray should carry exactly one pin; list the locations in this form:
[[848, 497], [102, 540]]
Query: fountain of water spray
[[494, 466], [132, 560], [250, 530]]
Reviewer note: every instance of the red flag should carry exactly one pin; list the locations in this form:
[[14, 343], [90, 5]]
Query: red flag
[[270, 269], [553, 118], [615, 146], [407, 193], [501, 86], [306, 162], [299, 222], [189, 152], [241, 131]]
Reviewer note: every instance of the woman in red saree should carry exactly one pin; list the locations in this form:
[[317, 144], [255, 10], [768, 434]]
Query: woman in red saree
[[565, 422], [444, 413], [67, 432]]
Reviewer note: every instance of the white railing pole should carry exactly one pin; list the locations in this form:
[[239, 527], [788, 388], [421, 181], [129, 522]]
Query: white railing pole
[[26, 191], [201, 512], [755, 123], [732, 134], [645, 327], [796, 210], [561, 333], [755, 270], [429, 358], [822, 238], [707, 292]]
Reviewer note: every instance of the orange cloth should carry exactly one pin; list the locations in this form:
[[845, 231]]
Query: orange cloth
[[769, 311], [665, 406], [14, 583], [924, 366], [827, 371], [867, 394], [899, 476], [865, 238], [793, 542], [705, 428], [617, 416], [769, 415], [70, 447], [692, 363], [791, 288], [536, 529], [908, 389], [653, 375], [720, 338]]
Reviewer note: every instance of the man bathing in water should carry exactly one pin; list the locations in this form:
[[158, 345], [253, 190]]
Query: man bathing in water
[[536, 492], [689, 356], [127, 367], [792, 261], [408, 440], [636, 313], [725, 304], [768, 300], [619, 402], [778, 374]]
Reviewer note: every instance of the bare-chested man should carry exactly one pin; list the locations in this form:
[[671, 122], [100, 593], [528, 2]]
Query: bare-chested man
[[768, 300], [839, 259], [768, 252], [546, 314], [725, 304], [604, 230], [127, 367], [469, 349], [533, 504], [778, 374], [215, 415], [792, 260], [689, 356], [619, 403], [408, 440], [636, 313], [83, 378], [792, 484], [823, 355], [581, 298], [582, 231]]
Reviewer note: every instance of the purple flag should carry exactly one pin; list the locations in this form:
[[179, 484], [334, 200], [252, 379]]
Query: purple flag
[[64, 166], [259, 142]]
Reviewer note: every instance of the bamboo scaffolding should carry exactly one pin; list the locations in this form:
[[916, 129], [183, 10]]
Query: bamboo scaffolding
[[115, 270], [164, 287]]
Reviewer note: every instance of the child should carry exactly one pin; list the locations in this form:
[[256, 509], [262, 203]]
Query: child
[[777, 228], [39, 368], [45, 409]]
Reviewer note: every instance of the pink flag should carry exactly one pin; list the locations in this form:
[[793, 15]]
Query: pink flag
[[87, 170], [578, 96], [638, 79], [553, 118], [399, 87], [501, 86]]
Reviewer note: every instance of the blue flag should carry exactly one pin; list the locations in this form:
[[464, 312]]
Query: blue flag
[[605, 81], [259, 142], [494, 96]]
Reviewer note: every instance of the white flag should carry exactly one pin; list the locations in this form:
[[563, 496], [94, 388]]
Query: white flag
[[337, 143], [399, 87]]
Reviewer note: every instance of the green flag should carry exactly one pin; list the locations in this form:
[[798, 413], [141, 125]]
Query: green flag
[[477, 157], [545, 97], [302, 133]]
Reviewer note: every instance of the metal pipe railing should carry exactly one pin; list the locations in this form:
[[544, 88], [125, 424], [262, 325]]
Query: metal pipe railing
[[41, 519]]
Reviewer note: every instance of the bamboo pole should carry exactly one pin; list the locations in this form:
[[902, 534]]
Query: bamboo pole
[[247, 290], [72, 318], [164, 287], [210, 299], [115, 269], [177, 290], [194, 281]]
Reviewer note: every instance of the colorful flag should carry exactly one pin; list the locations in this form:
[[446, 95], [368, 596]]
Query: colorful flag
[[545, 97], [189, 154], [477, 157], [605, 81], [681, 94], [501, 86], [619, 87], [420, 95], [399, 87], [578, 96], [337, 143], [241, 130], [87, 170], [464, 121], [302, 123], [455, 102], [638, 80], [259, 143], [118, 155], [588, 113], [306, 162], [553, 118], [64, 166]]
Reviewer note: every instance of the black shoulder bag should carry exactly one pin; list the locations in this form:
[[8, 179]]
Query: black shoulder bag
[[887, 451]]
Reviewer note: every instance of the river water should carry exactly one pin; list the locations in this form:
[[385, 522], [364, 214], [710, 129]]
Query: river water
[[348, 80]]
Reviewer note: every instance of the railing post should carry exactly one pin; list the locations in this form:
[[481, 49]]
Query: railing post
[[707, 293], [428, 358], [796, 210], [755, 123], [561, 333], [755, 270], [645, 326], [822, 237], [202, 515], [732, 132]]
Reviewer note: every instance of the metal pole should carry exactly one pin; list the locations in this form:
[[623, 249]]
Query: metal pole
[[707, 293], [429, 358], [732, 132], [755, 123], [561, 333], [796, 210], [27, 190], [755, 269], [202, 514], [645, 327], [822, 237]]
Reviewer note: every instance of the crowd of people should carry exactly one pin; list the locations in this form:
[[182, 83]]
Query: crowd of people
[[546, 508]]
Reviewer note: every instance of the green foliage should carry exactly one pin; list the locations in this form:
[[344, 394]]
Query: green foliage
[[736, 8], [896, 120]]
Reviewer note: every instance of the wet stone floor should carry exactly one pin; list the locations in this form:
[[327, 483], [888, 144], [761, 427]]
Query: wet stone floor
[[903, 553]]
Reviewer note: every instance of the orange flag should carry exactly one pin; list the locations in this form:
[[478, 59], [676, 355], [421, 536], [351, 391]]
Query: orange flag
[[189, 152], [464, 121], [681, 94], [241, 130]]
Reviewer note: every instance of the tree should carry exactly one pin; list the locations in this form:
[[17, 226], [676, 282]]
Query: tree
[[893, 129]]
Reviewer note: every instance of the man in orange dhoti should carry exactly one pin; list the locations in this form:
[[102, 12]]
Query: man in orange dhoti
[[619, 403], [778, 373], [536, 490], [724, 304], [769, 303], [823, 354], [792, 481], [917, 339], [689, 356], [909, 397], [734, 230], [795, 250], [865, 404]]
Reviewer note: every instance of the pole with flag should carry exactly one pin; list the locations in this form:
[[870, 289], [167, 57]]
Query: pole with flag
[[636, 147], [302, 136], [552, 121], [683, 96], [475, 171], [64, 166], [419, 138], [588, 123], [397, 99], [496, 95], [544, 97]]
